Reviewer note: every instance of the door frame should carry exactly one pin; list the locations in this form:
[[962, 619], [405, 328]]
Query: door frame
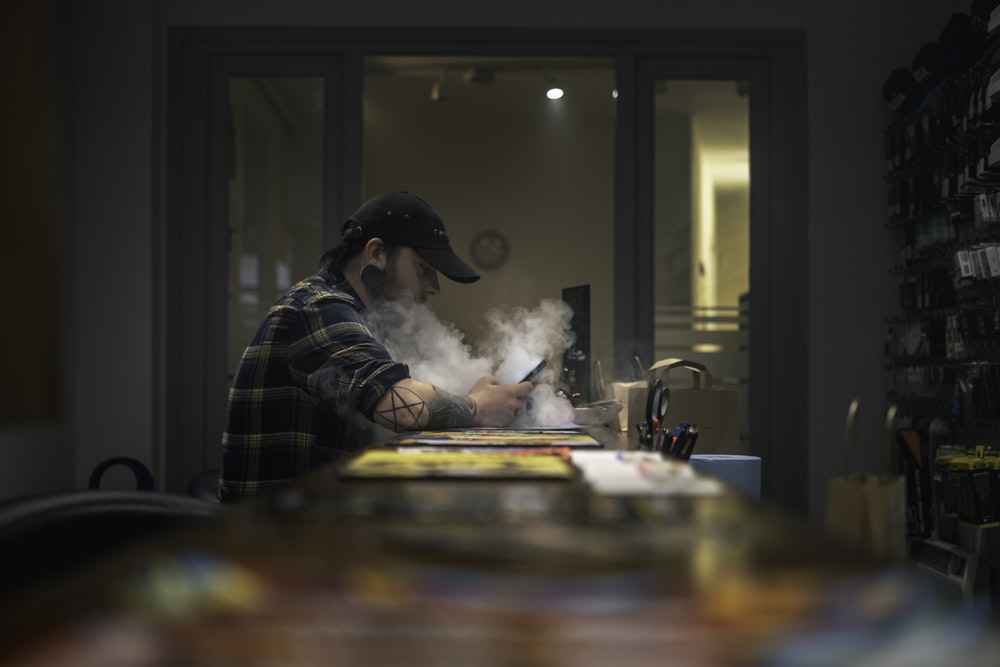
[[198, 164], [776, 395]]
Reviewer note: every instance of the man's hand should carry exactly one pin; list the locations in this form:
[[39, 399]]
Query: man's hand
[[497, 404]]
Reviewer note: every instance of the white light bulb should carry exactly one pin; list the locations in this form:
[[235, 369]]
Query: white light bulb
[[554, 93]]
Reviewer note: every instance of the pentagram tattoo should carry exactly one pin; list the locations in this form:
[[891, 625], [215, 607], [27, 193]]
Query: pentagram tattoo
[[407, 411], [404, 411]]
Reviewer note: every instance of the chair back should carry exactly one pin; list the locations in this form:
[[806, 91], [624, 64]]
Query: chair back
[[143, 477], [205, 485], [53, 534]]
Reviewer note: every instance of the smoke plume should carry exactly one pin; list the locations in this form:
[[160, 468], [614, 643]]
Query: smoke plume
[[518, 339]]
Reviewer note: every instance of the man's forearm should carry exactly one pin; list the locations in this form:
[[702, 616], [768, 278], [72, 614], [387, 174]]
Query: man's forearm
[[411, 405]]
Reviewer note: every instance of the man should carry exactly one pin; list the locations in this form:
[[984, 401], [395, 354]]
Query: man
[[315, 378]]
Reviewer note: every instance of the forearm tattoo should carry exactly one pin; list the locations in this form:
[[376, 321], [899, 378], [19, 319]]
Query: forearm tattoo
[[406, 410], [450, 411]]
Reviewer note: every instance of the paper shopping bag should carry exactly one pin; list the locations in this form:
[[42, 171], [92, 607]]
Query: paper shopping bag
[[633, 397], [713, 411], [867, 511], [632, 394]]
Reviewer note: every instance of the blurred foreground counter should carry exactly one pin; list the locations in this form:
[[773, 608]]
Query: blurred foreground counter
[[494, 573]]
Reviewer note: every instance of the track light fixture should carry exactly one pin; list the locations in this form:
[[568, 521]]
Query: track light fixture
[[479, 75], [437, 89]]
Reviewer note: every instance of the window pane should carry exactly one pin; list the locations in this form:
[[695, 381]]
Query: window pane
[[702, 227], [275, 195], [480, 140]]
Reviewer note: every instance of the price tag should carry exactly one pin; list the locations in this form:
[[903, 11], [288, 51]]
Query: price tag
[[993, 260], [963, 264]]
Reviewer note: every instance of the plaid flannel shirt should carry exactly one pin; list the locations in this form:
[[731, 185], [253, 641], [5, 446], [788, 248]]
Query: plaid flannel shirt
[[312, 367]]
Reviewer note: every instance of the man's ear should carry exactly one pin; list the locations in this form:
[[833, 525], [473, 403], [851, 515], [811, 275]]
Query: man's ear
[[375, 252]]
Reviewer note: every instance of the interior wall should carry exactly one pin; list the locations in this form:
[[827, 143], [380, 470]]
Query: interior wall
[[114, 386], [34, 456], [525, 181], [31, 252], [732, 213], [275, 216], [702, 217], [673, 208], [117, 75], [849, 251]]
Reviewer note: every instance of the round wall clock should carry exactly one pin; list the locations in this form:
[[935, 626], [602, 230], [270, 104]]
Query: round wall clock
[[489, 249]]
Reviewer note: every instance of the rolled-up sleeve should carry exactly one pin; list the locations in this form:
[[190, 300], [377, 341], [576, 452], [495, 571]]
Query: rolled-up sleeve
[[338, 361]]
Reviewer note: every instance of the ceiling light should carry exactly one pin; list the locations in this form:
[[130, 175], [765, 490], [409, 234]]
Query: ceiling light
[[553, 90]]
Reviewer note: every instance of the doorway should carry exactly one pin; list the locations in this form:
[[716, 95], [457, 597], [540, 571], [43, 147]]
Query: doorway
[[348, 64], [701, 232]]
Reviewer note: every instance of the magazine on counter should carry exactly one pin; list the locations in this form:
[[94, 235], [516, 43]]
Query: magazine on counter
[[498, 437], [436, 463]]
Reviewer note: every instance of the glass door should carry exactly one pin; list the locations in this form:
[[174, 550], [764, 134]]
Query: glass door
[[718, 178], [254, 188], [701, 230], [275, 202]]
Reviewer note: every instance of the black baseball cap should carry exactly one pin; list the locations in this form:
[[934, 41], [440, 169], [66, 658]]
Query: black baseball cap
[[401, 218]]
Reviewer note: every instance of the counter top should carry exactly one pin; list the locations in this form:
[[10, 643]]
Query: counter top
[[491, 572]]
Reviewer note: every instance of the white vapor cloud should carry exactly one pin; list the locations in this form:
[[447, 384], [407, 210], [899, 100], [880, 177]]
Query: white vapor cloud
[[518, 339]]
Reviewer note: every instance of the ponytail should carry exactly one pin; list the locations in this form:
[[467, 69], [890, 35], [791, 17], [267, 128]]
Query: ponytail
[[334, 259]]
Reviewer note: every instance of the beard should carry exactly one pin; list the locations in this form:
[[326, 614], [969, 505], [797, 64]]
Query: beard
[[386, 291], [383, 292], [393, 308], [392, 318], [390, 291]]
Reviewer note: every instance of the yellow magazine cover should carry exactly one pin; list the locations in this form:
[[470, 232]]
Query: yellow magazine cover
[[418, 464]]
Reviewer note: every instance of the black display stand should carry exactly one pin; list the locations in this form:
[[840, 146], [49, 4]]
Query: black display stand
[[576, 360]]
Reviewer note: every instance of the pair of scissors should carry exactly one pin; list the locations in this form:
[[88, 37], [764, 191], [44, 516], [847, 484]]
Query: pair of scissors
[[657, 403]]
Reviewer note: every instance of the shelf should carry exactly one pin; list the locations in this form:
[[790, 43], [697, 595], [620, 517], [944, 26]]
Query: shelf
[[943, 185]]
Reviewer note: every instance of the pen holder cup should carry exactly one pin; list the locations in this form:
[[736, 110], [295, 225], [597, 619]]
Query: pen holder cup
[[712, 409]]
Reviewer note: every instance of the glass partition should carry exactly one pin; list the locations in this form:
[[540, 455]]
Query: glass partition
[[275, 196], [701, 228], [525, 183]]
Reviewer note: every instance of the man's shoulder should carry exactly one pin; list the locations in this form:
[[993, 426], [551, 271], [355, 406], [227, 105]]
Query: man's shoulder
[[315, 291]]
